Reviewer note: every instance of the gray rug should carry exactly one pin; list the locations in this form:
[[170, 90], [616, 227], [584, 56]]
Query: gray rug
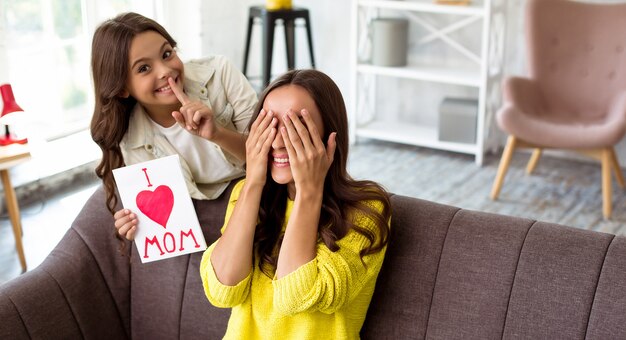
[[559, 190]]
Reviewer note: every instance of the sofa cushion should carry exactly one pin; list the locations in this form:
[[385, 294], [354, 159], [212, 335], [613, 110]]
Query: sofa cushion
[[402, 299], [555, 282], [609, 304], [476, 270]]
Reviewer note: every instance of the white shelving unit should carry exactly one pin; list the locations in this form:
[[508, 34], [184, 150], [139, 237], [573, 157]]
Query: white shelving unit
[[482, 70]]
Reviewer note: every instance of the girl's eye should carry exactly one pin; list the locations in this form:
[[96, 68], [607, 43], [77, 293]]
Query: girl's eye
[[167, 54], [142, 68]]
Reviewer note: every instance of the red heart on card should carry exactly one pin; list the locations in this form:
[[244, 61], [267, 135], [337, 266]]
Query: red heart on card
[[157, 204]]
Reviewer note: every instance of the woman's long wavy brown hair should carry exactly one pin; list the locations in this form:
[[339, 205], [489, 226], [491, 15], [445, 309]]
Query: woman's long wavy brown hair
[[109, 67], [343, 199]]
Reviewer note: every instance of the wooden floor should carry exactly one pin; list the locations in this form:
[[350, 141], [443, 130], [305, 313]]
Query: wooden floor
[[561, 191]]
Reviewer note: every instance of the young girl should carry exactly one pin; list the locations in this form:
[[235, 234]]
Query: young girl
[[303, 242], [143, 90]]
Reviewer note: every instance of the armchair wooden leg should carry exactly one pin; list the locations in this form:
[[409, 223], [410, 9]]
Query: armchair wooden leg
[[617, 169], [532, 163], [606, 182], [507, 154]]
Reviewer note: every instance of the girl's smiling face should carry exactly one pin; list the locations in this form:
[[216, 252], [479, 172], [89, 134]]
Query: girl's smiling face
[[279, 101], [151, 61]]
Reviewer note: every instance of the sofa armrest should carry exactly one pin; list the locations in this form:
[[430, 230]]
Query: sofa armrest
[[81, 290], [66, 297]]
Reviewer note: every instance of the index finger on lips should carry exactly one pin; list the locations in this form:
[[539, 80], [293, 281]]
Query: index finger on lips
[[178, 91]]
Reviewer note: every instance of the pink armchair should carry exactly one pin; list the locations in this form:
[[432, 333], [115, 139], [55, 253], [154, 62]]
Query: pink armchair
[[575, 95]]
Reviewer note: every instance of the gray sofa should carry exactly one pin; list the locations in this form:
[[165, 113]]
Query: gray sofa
[[449, 274]]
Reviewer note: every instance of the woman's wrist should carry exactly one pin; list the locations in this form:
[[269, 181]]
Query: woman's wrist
[[310, 194], [252, 186]]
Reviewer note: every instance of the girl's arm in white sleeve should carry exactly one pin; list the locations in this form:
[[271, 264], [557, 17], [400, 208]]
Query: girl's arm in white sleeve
[[243, 99]]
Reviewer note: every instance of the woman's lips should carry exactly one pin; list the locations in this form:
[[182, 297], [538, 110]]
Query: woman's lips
[[280, 161]]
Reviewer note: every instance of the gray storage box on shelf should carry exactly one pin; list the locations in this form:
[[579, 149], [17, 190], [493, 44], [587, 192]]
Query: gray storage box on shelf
[[457, 120]]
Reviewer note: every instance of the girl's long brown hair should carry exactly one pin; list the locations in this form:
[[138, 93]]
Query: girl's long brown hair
[[109, 67], [344, 198]]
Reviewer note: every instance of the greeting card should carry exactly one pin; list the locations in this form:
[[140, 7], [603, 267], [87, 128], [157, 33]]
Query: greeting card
[[167, 223]]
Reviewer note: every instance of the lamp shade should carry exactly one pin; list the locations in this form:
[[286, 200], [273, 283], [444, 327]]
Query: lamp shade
[[8, 99], [7, 118]]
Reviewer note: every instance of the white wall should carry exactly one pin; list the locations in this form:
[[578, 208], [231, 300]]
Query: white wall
[[4, 72], [223, 31]]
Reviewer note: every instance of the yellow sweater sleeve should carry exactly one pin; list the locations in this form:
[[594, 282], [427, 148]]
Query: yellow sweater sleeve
[[331, 279], [221, 295]]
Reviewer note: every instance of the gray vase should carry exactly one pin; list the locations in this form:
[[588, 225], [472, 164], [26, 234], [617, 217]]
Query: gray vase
[[389, 41]]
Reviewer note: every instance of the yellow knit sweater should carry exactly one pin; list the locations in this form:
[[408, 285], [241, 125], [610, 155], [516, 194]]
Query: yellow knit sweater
[[326, 298]]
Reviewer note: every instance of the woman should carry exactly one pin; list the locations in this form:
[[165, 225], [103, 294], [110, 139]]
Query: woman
[[303, 242]]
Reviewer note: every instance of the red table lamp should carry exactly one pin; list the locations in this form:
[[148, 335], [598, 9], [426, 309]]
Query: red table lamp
[[10, 106]]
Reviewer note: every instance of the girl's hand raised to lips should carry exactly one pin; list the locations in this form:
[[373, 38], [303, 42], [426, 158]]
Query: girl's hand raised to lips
[[258, 144], [309, 158], [193, 116]]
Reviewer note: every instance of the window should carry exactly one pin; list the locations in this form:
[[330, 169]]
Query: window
[[47, 46]]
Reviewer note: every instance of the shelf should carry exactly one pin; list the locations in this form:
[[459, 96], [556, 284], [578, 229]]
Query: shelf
[[411, 134], [468, 74], [446, 75], [424, 7]]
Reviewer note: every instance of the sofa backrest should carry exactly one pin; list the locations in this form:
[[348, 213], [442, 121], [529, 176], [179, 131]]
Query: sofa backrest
[[457, 274], [448, 273]]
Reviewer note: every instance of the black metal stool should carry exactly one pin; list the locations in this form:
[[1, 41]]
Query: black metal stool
[[268, 19]]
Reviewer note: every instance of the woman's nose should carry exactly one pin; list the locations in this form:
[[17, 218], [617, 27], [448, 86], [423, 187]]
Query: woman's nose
[[278, 139]]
